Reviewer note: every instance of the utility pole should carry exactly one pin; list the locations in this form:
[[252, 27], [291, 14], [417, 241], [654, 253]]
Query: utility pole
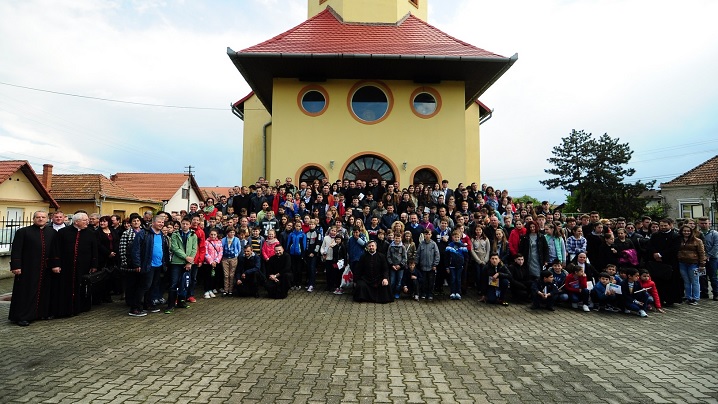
[[189, 189]]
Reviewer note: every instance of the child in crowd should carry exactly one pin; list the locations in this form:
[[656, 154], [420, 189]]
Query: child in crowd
[[498, 280], [256, 240], [312, 254], [577, 287], [520, 280], [456, 253], [297, 246], [611, 271], [635, 298], [559, 279], [602, 294], [213, 257], [544, 291], [396, 257], [412, 278], [646, 283], [429, 257], [231, 249]]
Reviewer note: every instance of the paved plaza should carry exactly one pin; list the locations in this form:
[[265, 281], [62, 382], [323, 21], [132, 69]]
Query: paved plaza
[[318, 347]]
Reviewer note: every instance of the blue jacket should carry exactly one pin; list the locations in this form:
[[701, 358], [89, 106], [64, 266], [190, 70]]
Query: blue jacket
[[142, 247], [456, 254], [296, 243], [231, 250], [355, 247]]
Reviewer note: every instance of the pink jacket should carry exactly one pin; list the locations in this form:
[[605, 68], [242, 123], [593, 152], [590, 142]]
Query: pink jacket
[[214, 251]]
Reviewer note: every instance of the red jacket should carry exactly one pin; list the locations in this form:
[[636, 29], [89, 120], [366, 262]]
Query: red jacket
[[201, 246], [653, 292], [515, 239], [575, 284]]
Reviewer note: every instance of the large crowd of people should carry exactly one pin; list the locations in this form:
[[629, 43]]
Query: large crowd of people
[[375, 239]]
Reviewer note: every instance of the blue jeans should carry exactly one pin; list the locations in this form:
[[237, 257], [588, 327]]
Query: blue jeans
[[455, 279], [177, 287], [395, 280], [690, 280]]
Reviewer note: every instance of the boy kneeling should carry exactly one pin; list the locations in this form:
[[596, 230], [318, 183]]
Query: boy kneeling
[[544, 291]]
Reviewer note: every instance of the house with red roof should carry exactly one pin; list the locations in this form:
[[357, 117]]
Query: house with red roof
[[690, 195], [364, 89], [173, 191], [22, 191]]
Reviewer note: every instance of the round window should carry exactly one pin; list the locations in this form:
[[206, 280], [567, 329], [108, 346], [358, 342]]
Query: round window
[[369, 104], [425, 103], [313, 102]]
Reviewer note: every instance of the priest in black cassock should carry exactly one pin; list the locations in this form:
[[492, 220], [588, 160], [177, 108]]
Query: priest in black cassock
[[28, 262], [371, 277], [74, 253], [279, 274]]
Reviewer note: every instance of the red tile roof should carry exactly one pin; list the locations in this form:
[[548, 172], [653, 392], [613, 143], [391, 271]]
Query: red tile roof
[[84, 187], [706, 173], [215, 192], [156, 186], [325, 33], [10, 167]]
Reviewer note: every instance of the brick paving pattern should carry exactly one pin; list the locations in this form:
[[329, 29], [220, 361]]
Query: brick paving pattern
[[318, 347]]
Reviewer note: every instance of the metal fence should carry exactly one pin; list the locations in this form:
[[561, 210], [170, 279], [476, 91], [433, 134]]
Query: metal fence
[[8, 227]]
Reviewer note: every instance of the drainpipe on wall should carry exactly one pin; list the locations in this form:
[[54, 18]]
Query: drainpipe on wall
[[264, 148]]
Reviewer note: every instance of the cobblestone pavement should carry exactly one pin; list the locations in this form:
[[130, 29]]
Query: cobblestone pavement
[[318, 347]]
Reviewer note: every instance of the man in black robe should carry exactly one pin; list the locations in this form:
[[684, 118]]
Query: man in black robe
[[74, 254], [371, 277], [28, 262], [279, 274]]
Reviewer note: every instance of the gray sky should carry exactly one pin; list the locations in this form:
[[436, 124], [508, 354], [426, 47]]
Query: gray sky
[[642, 71]]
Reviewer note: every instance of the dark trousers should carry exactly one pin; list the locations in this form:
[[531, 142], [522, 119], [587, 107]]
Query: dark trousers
[[139, 285], [427, 283], [548, 302], [297, 266]]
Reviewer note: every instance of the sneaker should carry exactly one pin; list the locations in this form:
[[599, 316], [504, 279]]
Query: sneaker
[[336, 291], [339, 292], [396, 296], [137, 313], [693, 302], [153, 309], [642, 313], [416, 297], [214, 292], [458, 296], [423, 297], [585, 308], [626, 311], [225, 294], [431, 298], [206, 295], [574, 305], [211, 294], [191, 299], [160, 301], [452, 296], [169, 311], [310, 289], [155, 302], [182, 305]]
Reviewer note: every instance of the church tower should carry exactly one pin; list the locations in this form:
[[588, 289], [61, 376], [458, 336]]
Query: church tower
[[371, 11], [364, 90]]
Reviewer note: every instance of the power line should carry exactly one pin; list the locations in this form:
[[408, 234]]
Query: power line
[[112, 100]]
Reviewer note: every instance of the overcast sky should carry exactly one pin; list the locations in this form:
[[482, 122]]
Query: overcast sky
[[642, 71]]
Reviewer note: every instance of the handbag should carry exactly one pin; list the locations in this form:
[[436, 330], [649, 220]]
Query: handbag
[[347, 278], [96, 277], [629, 256]]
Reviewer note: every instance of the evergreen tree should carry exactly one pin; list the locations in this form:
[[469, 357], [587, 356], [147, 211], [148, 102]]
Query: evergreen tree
[[594, 172]]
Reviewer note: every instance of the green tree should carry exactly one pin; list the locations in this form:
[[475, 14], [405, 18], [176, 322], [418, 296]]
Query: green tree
[[593, 170]]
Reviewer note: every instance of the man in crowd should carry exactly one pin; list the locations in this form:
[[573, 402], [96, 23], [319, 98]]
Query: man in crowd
[[74, 254], [28, 263], [150, 257], [58, 220]]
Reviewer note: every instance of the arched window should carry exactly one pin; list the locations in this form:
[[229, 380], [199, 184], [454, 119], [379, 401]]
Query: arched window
[[367, 167], [425, 176], [310, 174]]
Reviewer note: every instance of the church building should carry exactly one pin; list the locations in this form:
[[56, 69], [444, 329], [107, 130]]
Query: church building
[[364, 89]]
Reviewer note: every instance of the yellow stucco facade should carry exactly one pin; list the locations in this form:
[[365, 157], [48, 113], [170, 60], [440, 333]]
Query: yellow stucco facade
[[108, 207], [446, 143], [382, 11]]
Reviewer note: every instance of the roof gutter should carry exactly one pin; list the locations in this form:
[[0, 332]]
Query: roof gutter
[[237, 112], [486, 117], [511, 60]]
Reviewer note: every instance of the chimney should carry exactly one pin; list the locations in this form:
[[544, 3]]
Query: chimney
[[47, 175]]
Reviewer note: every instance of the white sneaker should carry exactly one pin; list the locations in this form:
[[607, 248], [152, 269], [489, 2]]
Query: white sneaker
[[206, 295], [642, 313], [627, 311], [574, 305], [211, 294], [458, 296], [310, 289], [585, 308], [214, 292]]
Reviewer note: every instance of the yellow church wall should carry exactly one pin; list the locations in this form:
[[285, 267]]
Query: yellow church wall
[[299, 140], [473, 165], [255, 117], [384, 11]]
